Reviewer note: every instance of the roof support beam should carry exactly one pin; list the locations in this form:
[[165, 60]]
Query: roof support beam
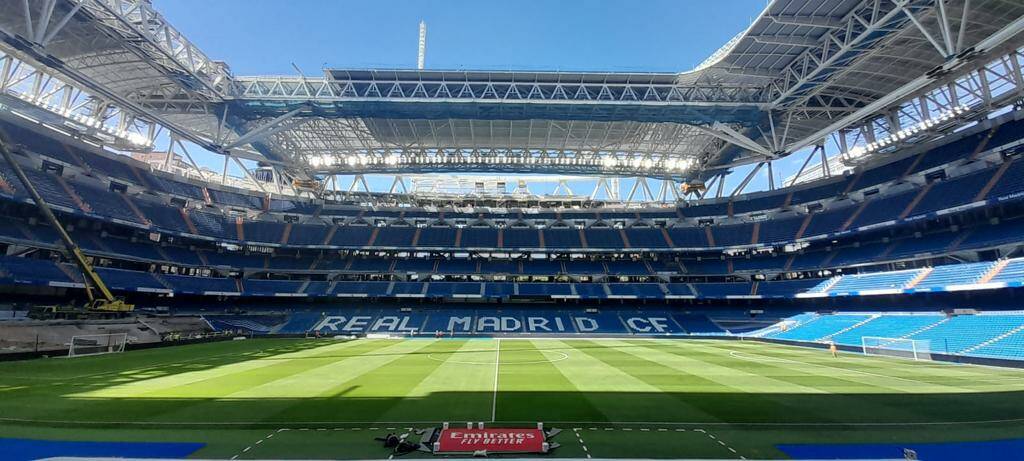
[[826, 22], [963, 26], [44, 20], [103, 95], [667, 189], [357, 181], [746, 180], [52, 32], [563, 187], [188, 156], [786, 40], [269, 129], [396, 184], [860, 28], [1006, 33], [29, 27], [248, 174], [727, 134], [141, 24], [745, 72], [807, 161], [945, 50]]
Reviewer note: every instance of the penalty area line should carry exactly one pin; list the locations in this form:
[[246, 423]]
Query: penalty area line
[[768, 358], [258, 442], [579, 438]]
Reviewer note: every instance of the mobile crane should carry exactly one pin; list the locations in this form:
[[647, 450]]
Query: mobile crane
[[106, 305]]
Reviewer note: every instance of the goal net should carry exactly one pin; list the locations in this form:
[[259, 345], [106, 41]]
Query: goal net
[[97, 344], [896, 347]]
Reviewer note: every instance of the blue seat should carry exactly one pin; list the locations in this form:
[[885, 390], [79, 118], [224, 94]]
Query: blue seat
[[962, 332], [722, 290], [545, 289], [874, 281], [821, 327], [953, 274], [646, 238], [785, 288], [887, 326], [479, 238], [637, 290], [255, 287], [520, 238], [439, 237]]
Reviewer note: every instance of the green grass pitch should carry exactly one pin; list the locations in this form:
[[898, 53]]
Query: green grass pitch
[[291, 398]]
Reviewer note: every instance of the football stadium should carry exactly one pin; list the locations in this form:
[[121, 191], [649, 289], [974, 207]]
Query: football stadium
[[808, 246]]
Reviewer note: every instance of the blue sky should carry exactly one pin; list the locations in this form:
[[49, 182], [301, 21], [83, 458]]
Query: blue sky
[[276, 36], [267, 36]]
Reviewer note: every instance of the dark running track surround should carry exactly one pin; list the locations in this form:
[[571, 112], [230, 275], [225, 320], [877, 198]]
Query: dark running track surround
[[947, 451], [30, 449]]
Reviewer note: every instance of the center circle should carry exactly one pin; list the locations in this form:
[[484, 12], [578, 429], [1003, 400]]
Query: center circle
[[489, 357]]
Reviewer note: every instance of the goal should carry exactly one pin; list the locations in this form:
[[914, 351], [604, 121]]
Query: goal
[[916, 349], [97, 344]]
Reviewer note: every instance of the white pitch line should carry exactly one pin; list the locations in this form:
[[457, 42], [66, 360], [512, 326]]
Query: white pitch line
[[497, 366], [720, 442], [258, 442], [740, 355], [579, 437]]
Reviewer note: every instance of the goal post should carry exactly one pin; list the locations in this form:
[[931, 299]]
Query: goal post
[[109, 343], [916, 349]]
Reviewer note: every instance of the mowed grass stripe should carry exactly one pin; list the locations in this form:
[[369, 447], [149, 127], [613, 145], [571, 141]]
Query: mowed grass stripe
[[532, 388], [712, 367], [197, 400], [320, 374], [618, 394], [835, 401], [220, 380], [146, 362], [964, 377], [898, 375], [807, 375], [371, 394], [882, 406], [704, 390], [117, 398], [458, 388]]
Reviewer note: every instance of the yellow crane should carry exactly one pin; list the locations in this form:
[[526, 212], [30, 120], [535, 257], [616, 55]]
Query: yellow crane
[[106, 303]]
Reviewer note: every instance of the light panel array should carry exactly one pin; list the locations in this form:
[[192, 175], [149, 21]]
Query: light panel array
[[909, 132], [602, 161]]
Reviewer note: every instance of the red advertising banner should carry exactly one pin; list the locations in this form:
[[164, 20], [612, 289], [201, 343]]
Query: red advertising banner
[[492, 440]]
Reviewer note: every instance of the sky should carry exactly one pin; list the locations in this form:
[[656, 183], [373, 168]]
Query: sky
[[269, 36], [278, 37]]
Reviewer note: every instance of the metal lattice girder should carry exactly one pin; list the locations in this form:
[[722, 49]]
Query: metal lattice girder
[[812, 66], [347, 85], [959, 82], [60, 102], [105, 102], [139, 24], [319, 136], [861, 29], [726, 133]]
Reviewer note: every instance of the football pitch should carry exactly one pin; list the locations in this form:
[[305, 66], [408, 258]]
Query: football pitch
[[654, 398]]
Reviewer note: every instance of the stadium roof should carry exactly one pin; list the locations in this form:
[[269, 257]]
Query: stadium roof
[[803, 69]]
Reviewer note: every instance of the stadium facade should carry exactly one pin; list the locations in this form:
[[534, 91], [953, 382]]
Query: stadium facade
[[909, 197]]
